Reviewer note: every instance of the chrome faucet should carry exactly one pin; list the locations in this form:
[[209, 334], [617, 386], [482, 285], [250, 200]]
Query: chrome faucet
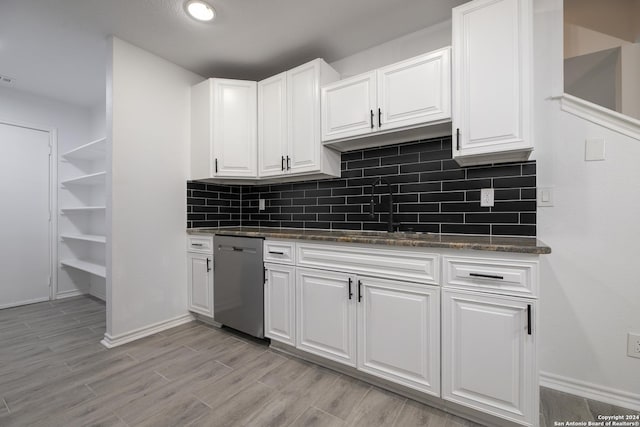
[[391, 225]]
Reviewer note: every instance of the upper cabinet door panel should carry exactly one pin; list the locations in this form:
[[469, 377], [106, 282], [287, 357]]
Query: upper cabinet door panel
[[303, 85], [272, 122], [415, 91], [234, 128], [492, 83], [348, 107]]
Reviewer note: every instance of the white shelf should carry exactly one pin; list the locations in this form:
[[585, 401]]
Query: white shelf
[[91, 179], [91, 151], [83, 209], [90, 267], [85, 237]]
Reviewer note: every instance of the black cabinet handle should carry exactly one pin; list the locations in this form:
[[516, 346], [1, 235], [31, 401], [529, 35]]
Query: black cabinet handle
[[282, 163], [216, 162], [371, 118], [237, 249], [276, 253], [208, 265], [379, 118], [197, 244], [486, 276], [529, 319], [458, 139], [350, 293], [288, 163], [359, 291]]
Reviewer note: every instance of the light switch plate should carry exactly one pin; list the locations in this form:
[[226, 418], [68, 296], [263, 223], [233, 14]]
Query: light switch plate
[[486, 197], [545, 196], [261, 204], [594, 149], [633, 345]]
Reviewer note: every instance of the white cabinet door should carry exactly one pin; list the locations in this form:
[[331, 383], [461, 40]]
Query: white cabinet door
[[280, 303], [399, 332], [415, 91], [303, 86], [488, 354], [234, 126], [348, 107], [492, 82], [326, 316], [200, 283], [272, 125]]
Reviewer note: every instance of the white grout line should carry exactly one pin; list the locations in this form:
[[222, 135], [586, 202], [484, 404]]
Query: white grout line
[[6, 405]]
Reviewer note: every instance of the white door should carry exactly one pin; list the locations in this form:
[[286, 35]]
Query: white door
[[25, 258], [492, 76], [280, 303], [272, 125], [235, 135], [326, 317], [303, 86], [488, 354], [415, 91], [349, 107], [200, 283], [399, 332]]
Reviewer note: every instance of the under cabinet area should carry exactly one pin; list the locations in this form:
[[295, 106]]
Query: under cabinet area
[[492, 81], [408, 94], [289, 140]]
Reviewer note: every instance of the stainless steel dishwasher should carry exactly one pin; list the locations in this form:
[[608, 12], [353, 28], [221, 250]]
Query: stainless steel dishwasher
[[238, 283]]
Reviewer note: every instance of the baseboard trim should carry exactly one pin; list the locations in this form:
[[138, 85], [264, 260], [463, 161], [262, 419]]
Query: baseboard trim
[[114, 341], [98, 295], [69, 294], [27, 302], [591, 391]]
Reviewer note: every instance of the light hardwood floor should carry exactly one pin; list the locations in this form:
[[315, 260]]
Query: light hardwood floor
[[54, 372]]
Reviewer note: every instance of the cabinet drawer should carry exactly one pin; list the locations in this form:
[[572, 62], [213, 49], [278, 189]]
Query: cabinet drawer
[[280, 252], [412, 266], [201, 244], [502, 276]]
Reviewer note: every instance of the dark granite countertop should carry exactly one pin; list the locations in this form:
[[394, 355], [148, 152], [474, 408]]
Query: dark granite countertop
[[525, 245]]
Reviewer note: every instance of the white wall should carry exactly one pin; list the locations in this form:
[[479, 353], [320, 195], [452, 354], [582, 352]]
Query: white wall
[[589, 284], [148, 126], [413, 44], [72, 124]]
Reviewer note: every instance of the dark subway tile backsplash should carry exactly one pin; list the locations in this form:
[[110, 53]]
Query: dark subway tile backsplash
[[431, 194]]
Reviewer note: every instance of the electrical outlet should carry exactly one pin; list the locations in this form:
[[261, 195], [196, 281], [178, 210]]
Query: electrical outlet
[[261, 204], [633, 345], [486, 197]]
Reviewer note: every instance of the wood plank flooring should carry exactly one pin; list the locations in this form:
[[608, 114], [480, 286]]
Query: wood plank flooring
[[54, 372]]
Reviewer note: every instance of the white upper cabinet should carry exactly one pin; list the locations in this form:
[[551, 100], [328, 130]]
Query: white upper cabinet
[[289, 123], [405, 95], [347, 107], [224, 129], [415, 91], [492, 83], [272, 125]]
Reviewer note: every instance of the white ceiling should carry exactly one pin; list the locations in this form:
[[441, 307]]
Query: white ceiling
[[56, 48]]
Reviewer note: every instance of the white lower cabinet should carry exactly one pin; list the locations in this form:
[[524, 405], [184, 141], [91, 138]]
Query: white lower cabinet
[[399, 332], [488, 354], [200, 283], [326, 314], [280, 303]]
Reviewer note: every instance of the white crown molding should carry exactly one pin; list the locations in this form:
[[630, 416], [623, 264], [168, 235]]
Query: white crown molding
[[602, 116]]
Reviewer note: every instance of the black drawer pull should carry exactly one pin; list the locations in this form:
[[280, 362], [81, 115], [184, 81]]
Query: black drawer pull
[[359, 291], [350, 293], [197, 244], [276, 253], [529, 319], [486, 276]]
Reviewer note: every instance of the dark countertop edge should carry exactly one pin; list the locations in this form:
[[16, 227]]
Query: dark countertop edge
[[457, 241]]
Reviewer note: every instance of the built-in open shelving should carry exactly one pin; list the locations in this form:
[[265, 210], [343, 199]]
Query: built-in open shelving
[[88, 266], [94, 150], [90, 179], [85, 237]]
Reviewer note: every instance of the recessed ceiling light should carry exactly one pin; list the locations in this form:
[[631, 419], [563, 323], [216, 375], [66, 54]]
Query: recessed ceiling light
[[200, 10]]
